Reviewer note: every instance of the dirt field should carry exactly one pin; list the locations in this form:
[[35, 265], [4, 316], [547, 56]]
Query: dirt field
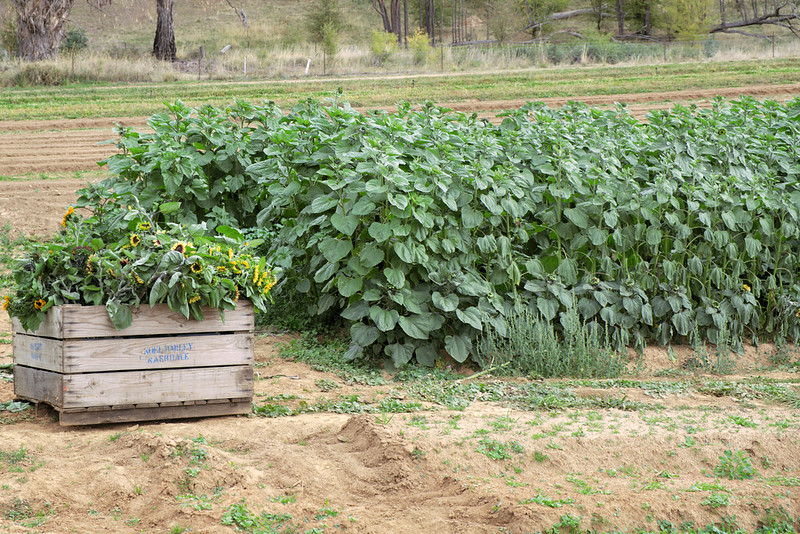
[[617, 458]]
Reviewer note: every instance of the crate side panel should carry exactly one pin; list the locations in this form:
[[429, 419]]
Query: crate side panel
[[93, 321], [122, 354], [51, 326], [39, 385], [164, 385], [38, 352]]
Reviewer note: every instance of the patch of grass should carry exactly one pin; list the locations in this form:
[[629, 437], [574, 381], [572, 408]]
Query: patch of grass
[[734, 466], [716, 500], [499, 450], [327, 357], [544, 500]]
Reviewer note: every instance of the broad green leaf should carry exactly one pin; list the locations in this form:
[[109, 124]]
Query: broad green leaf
[[548, 307], [470, 217], [471, 316], [400, 353], [120, 314], [346, 224], [458, 347], [395, 277], [566, 270], [426, 354], [404, 252], [349, 286], [385, 320], [335, 249], [446, 304], [356, 311], [578, 217], [363, 207], [353, 352], [380, 232], [415, 326], [168, 208], [370, 256], [323, 203], [364, 335]]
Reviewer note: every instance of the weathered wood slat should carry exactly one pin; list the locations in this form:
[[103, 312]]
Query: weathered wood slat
[[165, 385], [38, 385], [71, 321], [39, 352], [147, 414]]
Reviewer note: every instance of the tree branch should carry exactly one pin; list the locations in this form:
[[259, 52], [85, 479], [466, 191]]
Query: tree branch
[[774, 18]]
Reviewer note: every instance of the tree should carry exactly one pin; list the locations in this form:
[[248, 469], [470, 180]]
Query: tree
[[164, 42], [782, 13], [324, 13], [391, 17], [41, 24]]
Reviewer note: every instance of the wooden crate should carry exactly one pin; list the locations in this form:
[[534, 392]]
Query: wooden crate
[[163, 366]]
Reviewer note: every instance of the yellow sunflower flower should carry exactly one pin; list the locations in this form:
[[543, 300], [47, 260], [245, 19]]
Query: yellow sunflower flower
[[69, 212], [39, 304], [6, 303]]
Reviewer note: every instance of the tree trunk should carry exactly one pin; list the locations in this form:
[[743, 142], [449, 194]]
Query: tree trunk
[[41, 24], [620, 18], [405, 23], [164, 42]]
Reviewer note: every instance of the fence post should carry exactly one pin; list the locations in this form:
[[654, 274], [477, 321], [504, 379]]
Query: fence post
[[773, 45], [665, 51]]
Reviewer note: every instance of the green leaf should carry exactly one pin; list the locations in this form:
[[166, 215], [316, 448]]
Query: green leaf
[[229, 232], [395, 277], [548, 307], [470, 217], [458, 347], [169, 207], [400, 353], [567, 271], [385, 320], [120, 314], [323, 203], [471, 316], [346, 224], [356, 311], [349, 286], [335, 249], [413, 326], [364, 335], [446, 304], [353, 352], [380, 232], [363, 207], [404, 252], [370, 256], [426, 354], [578, 217]]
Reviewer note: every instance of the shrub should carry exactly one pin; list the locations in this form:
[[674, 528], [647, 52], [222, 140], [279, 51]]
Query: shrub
[[382, 45], [424, 229], [75, 41], [419, 46]]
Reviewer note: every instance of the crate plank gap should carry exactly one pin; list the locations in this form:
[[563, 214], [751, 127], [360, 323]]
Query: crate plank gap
[[163, 366]]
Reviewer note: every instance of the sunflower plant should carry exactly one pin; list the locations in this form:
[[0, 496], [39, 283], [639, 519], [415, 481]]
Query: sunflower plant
[[122, 256]]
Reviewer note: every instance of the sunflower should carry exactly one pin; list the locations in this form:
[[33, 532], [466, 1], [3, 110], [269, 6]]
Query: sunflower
[[145, 226], [135, 240], [39, 304], [196, 267], [181, 246], [745, 287], [6, 303], [194, 299], [69, 212]]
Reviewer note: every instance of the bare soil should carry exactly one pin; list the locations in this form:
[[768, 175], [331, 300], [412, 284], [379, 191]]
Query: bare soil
[[637, 456]]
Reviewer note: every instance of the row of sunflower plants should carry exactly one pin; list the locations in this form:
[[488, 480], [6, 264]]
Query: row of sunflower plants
[[114, 253], [424, 228]]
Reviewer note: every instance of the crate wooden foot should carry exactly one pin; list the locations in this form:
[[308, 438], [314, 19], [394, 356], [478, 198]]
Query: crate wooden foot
[[149, 413]]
